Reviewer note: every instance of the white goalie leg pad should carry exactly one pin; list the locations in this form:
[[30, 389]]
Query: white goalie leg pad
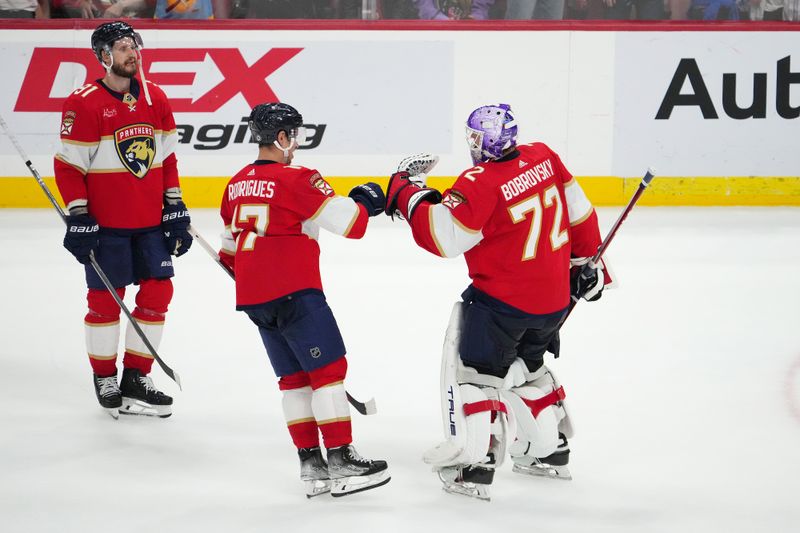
[[475, 420], [540, 415]]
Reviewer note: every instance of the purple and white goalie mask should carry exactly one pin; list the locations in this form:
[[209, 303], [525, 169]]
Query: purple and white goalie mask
[[491, 131]]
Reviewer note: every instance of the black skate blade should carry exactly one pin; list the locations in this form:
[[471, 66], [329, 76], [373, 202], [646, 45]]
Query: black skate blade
[[362, 489]]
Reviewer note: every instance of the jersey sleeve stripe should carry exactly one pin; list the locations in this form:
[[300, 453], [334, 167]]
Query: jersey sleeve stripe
[[320, 209], [79, 143], [352, 223], [228, 244], [585, 217], [578, 205], [169, 140], [337, 215], [432, 230], [452, 238], [70, 163]]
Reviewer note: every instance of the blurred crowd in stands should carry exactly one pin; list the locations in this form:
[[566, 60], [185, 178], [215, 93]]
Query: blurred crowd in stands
[[754, 10]]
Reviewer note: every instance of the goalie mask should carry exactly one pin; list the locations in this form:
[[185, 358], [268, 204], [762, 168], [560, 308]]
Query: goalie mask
[[105, 35], [491, 131]]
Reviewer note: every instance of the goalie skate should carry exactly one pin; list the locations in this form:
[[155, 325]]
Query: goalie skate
[[540, 469], [350, 473], [453, 483]]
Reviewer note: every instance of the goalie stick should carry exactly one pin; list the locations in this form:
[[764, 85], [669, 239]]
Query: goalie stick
[[167, 370], [648, 177], [365, 408]]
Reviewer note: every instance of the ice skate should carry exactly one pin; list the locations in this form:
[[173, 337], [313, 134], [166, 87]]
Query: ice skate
[[314, 472], [350, 473], [540, 469], [140, 396], [553, 466], [466, 480], [108, 394]]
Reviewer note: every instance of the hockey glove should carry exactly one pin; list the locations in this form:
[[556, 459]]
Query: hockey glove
[[82, 236], [586, 280], [175, 222], [403, 195], [419, 166], [371, 196]]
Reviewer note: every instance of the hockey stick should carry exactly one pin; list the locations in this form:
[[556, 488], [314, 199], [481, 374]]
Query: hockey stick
[[365, 408], [167, 370], [211, 252], [648, 177]]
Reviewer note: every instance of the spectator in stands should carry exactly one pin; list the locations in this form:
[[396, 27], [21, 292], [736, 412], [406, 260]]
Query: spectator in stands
[[24, 9], [398, 9], [645, 9], [89, 9], [537, 9], [714, 10], [678, 9], [287, 9], [170, 9], [791, 10], [453, 9], [765, 9]]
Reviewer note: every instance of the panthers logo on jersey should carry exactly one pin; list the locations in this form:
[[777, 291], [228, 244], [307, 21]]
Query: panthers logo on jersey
[[136, 147]]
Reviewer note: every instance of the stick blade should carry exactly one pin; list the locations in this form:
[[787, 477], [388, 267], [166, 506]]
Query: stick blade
[[365, 408]]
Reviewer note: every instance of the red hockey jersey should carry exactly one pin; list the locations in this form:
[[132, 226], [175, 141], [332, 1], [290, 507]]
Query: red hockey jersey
[[117, 154], [517, 221], [272, 215]]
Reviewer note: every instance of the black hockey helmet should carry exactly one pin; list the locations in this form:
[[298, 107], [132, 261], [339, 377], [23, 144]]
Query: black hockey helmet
[[266, 120], [105, 35]]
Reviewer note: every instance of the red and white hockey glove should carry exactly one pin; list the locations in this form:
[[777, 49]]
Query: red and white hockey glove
[[403, 195]]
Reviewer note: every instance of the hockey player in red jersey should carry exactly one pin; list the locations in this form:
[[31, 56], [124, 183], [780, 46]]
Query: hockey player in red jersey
[[117, 173], [522, 222], [273, 211]]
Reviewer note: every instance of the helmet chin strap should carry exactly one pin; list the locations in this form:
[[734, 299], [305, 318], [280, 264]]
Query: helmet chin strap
[[286, 150], [111, 64]]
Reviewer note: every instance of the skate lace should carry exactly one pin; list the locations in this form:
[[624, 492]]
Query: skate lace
[[148, 384], [108, 386], [353, 454]]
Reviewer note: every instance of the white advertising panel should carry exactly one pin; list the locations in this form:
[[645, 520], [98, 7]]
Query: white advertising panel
[[612, 103], [365, 97], [707, 103]]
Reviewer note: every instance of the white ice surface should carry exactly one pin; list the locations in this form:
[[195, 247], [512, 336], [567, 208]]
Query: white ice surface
[[684, 384]]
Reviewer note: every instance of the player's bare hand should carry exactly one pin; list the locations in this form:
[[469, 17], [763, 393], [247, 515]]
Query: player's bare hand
[[115, 11], [86, 9]]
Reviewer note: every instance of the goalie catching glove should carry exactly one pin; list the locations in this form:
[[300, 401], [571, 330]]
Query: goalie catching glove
[[418, 166], [403, 195]]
